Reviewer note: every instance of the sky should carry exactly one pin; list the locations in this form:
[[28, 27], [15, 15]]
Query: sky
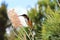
[[20, 5]]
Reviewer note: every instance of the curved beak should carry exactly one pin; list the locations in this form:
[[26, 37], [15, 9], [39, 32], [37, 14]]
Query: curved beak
[[20, 15]]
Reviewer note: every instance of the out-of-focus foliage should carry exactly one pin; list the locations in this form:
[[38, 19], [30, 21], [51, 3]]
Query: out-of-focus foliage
[[3, 20], [37, 17], [51, 28], [47, 18], [46, 22]]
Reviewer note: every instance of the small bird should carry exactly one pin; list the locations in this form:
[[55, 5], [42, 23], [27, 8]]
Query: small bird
[[28, 21]]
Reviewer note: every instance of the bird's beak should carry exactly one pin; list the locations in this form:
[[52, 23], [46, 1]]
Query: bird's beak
[[20, 15], [23, 15]]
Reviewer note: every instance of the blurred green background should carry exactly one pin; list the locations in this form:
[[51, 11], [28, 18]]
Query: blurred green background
[[45, 17]]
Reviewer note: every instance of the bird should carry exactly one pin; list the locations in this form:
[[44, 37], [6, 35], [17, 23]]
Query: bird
[[30, 25], [28, 21]]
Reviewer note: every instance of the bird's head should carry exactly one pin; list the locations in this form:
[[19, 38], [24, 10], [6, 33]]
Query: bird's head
[[25, 16]]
